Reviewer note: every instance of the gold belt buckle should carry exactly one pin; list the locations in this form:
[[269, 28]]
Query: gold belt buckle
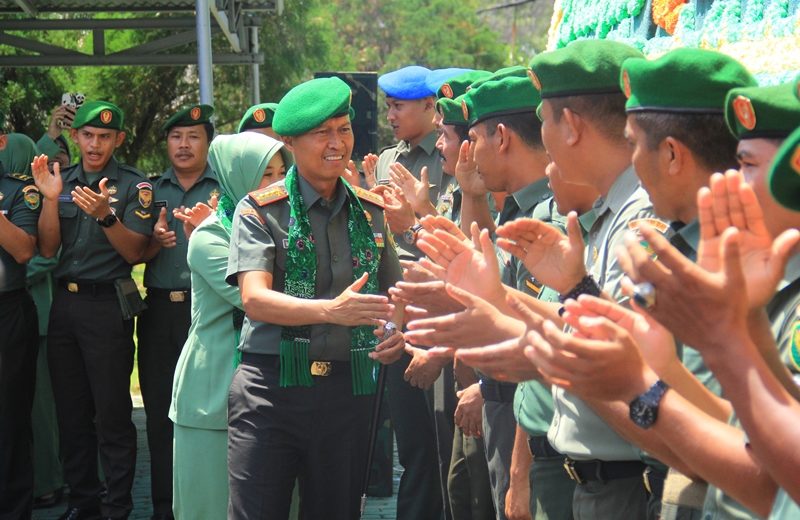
[[569, 467], [177, 296], [72, 287], [321, 368]]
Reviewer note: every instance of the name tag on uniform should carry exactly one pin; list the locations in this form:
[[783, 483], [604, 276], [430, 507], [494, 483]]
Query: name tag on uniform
[[65, 198], [160, 204]]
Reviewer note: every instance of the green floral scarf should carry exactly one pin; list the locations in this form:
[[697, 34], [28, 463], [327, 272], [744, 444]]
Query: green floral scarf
[[301, 275]]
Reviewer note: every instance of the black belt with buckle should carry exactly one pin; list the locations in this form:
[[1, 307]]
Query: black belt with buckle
[[654, 481], [585, 470], [499, 392], [87, 287], [541, 447], [316, 368], [173, 295]]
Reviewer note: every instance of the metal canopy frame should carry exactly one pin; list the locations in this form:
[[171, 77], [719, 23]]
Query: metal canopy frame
[[188, 21]]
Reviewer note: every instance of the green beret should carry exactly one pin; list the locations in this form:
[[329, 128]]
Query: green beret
[[257, 116], [189, 116], [581, 68], [686, 80], [99, 114], [515, 71], [458, 85], [452, 111], [511, 95], [762, 112], [310, 104], [784, 174]]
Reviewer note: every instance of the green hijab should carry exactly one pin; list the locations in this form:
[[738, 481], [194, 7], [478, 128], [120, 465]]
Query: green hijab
[[239, 162], [18, 154]]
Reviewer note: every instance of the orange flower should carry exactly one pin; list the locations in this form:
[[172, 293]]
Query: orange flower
[[666, 13]]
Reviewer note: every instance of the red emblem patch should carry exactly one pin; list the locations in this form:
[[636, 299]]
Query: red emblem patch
[[744, 112], [259, 115], [626, 84], [106, 116], [535, 80], [447, 91], [195, 113]]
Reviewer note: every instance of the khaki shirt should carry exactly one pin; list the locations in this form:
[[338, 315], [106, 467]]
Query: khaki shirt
[[21, 204], [424, 154], [169, 269], [259, 241], [576, 431], [86, 253]]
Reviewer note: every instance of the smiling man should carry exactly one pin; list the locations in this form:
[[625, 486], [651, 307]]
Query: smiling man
[[310, 257], [163, 327], [100, 216]]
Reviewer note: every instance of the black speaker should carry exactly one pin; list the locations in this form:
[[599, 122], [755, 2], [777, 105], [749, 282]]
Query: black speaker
[[365, 103]]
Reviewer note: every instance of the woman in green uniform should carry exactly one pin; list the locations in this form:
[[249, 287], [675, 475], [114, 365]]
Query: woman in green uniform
[[243, 163]]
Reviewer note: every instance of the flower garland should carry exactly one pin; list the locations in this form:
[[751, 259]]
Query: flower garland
[[667, 12]]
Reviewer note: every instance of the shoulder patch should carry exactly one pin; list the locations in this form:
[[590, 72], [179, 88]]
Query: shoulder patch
[[268, 195], [20, 177], [654, 223], [369, 196], [31, 197]]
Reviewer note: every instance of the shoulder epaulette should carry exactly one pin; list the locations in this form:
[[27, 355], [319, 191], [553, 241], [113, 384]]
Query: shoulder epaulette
[[269, 195], [20, 176], [369, 196], [131, 169], [658, 225]]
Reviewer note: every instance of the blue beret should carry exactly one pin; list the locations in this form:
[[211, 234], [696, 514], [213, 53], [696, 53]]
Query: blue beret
[[437, 78], [406, 83]]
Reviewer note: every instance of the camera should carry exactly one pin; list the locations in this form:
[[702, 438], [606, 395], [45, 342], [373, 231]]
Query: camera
[[73, 100]]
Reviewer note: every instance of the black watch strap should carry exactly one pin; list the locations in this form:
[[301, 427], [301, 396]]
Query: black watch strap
[[108, 221], [587, 285]]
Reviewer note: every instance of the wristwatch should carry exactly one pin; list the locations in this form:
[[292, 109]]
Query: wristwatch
[[644, 409], [109, 220], [410, 235]]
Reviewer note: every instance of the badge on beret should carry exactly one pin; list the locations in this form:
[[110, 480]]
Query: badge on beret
[[626, 83], [30, 195], [464, 110], [744, 112], [447, 91], [535, 80], [259, 115], [795, 161], [106, 116], [195, 113]]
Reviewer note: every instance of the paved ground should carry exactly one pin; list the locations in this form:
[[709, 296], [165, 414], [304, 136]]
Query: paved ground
[[377, 508]]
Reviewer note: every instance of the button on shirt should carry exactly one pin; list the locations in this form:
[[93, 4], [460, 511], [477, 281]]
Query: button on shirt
[[576, 431], [259, 242], [86, 253], [23, 215], [169, 269]]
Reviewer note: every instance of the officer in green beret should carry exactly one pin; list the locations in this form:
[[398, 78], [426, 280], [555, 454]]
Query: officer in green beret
[[19, 213], [163, 327], [99, 213], [583, 120], [258, 118], [311, 257]]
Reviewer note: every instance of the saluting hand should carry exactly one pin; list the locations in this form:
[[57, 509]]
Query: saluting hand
[[161, 231], [94, 204], [49, 184]]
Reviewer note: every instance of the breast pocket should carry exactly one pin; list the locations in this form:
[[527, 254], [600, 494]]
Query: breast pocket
[[68, 215]]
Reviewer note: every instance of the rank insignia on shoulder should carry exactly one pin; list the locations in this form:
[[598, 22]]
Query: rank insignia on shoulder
[[368, 196], [31, 196], [144, 215], [269, 195], [20, 176], [534, 286]]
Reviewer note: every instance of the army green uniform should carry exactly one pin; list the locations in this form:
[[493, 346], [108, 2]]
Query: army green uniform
[[595, 449], [162, 329], [424, 454], [317, 433], [20, 204], [90, 345]]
